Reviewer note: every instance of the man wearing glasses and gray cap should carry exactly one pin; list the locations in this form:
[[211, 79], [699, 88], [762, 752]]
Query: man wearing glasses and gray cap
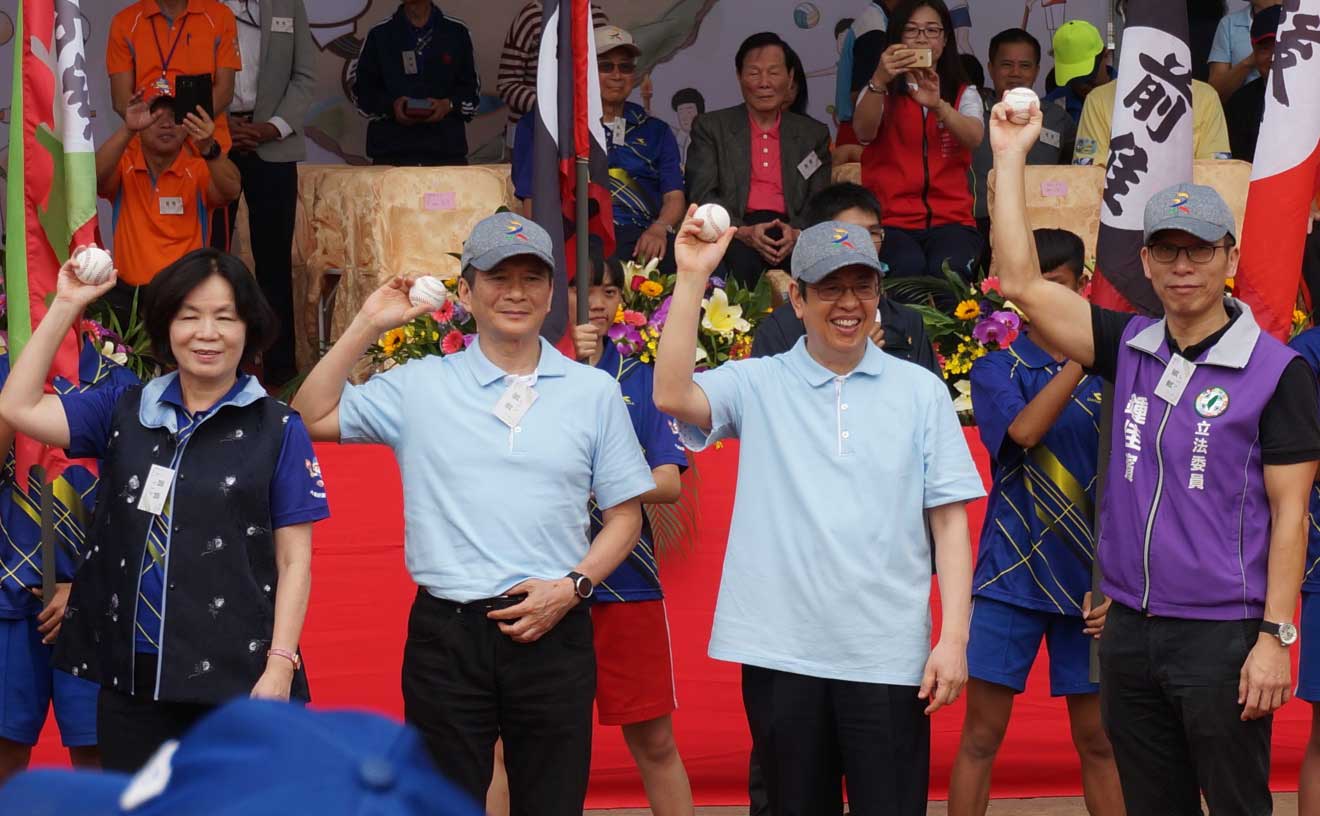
[[847, 454], [1215, 438]]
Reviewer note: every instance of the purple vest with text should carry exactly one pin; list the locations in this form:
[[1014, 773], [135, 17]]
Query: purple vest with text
[[1185, 519]]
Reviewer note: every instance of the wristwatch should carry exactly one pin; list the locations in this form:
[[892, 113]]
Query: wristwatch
[[1285, 632], [582, 585], [213, 153]]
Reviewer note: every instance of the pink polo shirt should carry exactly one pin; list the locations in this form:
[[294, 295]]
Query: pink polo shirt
[[767, 188]]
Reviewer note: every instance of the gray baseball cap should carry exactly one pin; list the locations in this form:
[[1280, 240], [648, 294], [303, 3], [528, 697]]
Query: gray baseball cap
[[830, 246], [506, 235], [1190, 208]]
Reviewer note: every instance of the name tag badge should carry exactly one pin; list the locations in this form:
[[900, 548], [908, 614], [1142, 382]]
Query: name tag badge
[[171, 205], [514, 403], [281, 25], [156, 491], [410, 63], [619, 131], [1049, 137], [1174, 379], [808, 166]]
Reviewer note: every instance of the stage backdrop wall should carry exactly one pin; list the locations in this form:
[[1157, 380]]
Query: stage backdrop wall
[[688, 44]]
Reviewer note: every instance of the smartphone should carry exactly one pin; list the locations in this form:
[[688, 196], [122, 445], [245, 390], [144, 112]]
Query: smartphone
[[417, 107], [925, 57], [190, 91]]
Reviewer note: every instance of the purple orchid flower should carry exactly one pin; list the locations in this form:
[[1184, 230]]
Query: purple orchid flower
[[661, 314], [1000, 328]]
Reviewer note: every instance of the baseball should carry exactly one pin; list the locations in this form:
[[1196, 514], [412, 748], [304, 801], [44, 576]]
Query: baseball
[[714, 221], [95, 266], [428, 291], [1019, 101]]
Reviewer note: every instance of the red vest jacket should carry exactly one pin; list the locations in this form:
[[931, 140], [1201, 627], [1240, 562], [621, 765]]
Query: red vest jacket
[[917, 169]]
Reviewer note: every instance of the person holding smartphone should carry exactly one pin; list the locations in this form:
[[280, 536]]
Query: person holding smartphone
[[162, 194], [417, 83], [920, 121]]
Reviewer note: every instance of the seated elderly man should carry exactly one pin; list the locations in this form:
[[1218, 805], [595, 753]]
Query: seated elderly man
[[760, 164], [646, 175]]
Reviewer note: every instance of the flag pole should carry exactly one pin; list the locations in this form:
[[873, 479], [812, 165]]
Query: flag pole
[[583, 259]]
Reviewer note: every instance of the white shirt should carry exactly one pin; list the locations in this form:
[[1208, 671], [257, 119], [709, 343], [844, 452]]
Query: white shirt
[[248, 15]]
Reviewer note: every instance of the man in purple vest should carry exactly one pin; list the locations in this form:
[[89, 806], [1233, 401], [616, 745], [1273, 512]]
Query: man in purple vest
[[1215, 438]]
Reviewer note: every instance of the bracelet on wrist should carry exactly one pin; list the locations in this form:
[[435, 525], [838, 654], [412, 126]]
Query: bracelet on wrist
[[292, 657], [871, 87]]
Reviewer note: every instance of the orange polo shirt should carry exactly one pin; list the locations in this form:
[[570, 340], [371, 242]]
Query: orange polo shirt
[[157, 221], [202, 40]]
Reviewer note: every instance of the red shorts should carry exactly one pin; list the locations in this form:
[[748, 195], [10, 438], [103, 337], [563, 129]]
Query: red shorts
[[634, 668]]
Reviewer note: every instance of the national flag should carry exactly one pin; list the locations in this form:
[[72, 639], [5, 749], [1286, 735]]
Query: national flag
[[51, 194], [568, 126], [1150, 146], [1286, 174]]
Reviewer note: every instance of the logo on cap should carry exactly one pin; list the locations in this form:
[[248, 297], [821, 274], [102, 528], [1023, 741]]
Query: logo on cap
[[1179, 202], [515, 230], [841, 238]]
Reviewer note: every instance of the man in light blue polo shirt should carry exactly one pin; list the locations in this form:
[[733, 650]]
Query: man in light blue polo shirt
[[846, 455], [500, 447], [1232, 64]]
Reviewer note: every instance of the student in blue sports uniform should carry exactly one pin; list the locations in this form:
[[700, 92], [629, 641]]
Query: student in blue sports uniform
[[28, 682], [1039, 417], [1308, 671]]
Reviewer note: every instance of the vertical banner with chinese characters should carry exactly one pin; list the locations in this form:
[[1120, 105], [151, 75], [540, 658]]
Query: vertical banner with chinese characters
[[1150, 146], [1286, 173]]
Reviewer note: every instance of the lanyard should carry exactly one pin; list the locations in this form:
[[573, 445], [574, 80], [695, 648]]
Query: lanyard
[[166, 60]]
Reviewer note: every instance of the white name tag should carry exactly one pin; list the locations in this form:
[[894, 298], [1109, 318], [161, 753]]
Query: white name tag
[[171, 205], [514, 403], [410, 63], [281, 25], [1174, 379], [156, 491], [1049, 137], [619, 131], [808, 166]]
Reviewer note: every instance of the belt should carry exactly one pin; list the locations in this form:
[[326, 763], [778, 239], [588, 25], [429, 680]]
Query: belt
[[247, 114], [478, 607]]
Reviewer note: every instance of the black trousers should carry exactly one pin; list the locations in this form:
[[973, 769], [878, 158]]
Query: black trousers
[[810, 735], [741, 262], [924, 252], [465, 683], [1168, 698], [130, 727], [271, 191]]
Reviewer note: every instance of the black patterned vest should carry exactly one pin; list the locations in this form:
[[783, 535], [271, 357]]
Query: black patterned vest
[[220, 576]]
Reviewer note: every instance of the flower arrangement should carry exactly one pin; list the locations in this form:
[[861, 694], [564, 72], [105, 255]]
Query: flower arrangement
[[730, 314], [447, 330], [982, 321]]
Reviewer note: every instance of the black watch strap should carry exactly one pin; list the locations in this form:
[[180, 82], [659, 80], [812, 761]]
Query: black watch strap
[[213, 153]]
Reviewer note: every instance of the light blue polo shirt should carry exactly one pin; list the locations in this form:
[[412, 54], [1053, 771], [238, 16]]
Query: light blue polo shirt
[[1232, 42], [827, 571], [487, 506]]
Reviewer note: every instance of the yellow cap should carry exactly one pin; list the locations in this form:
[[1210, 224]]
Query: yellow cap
[[1076, 45]]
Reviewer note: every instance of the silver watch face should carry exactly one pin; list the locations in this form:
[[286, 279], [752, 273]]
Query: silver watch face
[[1287, 634]]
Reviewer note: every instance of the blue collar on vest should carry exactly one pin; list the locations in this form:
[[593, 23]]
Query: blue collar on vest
[[1233, 349], [157, 407], [800, 361], [551, 364]]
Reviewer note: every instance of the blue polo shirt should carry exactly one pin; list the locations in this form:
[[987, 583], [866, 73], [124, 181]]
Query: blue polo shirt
[[487, 506], [827, 571], [1037, 545], [643, 167], [1232, 42], [297, 493], [1307, 344], [75, 497], [638, 577]]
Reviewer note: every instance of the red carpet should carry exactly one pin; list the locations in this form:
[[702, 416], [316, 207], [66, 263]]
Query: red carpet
[[353, 643]]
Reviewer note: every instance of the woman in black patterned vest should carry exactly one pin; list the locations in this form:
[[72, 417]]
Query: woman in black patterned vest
[[198, 563]]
